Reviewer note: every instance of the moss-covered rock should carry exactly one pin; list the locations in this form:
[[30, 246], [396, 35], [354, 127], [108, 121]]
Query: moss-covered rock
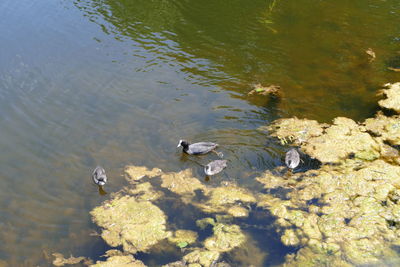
[[136, 225]]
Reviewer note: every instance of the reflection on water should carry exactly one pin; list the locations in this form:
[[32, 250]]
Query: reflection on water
[[115, 82]]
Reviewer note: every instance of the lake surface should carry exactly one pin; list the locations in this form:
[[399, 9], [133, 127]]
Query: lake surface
[[117, 82]]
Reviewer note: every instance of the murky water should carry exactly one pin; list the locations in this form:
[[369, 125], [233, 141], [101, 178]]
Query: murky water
[[114, 82]]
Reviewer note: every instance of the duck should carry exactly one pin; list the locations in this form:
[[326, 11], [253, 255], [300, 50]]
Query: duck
[[199, 148], [99, 176], [215, 167], [292, 158]]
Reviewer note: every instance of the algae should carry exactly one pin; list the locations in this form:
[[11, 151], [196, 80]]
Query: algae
[[203, 223], [328, 143], [351, 225], [136, 225], [225, 238], [183, 183], [388, 128], [120, 260], [342, 214], [271, 90], [145, 191], [392, 94], [201, 257], [60, 260], [227, 199], [300, 130], [135, 173], [181, 237]]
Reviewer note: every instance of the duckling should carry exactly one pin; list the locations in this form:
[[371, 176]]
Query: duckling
[[215, 167], [292, 158], [197, 148], [99, 176]]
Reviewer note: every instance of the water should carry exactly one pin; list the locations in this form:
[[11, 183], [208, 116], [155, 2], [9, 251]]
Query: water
[[115, 82]]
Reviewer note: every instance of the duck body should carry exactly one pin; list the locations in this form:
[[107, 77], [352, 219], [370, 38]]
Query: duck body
[[99, 176], [215, 167], [199, 148], [292, 158]]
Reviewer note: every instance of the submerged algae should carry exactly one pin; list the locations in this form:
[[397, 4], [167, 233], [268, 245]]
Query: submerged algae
[[145, 191], [227, 199], [225, 238], [201, 257], [183, 236], [60, 260], [119, 260], [135, 173], [183, 183]]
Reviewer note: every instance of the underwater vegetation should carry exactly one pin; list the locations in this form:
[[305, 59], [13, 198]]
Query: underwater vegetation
[[345, 213]]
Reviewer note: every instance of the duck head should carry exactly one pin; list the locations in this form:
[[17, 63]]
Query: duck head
[[183, 144]]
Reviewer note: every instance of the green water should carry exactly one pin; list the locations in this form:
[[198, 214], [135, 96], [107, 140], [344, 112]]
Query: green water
[[120, 82]]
